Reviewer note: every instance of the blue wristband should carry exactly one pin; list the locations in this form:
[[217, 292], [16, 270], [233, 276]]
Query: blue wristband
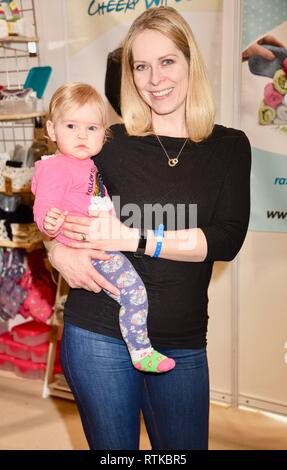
[[159, 233]]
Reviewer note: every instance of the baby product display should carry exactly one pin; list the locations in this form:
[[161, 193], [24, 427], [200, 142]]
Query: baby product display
[[25, 290], [37, 79], [273, 108], [12, 22], [24, 350]]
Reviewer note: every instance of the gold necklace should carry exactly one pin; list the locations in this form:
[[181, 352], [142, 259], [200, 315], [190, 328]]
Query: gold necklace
[[172, 161]]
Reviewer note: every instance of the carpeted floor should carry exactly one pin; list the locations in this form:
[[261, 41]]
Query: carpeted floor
[[29, 422]]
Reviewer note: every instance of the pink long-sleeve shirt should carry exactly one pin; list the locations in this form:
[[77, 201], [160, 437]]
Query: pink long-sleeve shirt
[[64, 182]]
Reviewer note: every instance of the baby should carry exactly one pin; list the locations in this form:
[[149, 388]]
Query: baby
[[68, 182]]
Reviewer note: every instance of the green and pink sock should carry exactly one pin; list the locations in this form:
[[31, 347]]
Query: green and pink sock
[[150, 360]]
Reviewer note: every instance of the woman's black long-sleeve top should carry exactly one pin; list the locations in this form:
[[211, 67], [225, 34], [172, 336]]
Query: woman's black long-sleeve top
[[215, 176]]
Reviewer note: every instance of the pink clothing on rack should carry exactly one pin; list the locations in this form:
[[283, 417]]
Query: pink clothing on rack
[[64, 182]]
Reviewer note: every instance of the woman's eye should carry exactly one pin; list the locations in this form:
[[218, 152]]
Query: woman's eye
[[167, 62], [140, 67]]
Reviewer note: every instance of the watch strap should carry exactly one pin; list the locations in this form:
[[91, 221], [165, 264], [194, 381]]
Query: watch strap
[[142, 244]]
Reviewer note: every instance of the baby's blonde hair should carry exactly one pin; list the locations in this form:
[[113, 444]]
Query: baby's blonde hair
[[75, 94]]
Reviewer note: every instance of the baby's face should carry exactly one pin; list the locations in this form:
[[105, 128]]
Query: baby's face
[[79, 132]]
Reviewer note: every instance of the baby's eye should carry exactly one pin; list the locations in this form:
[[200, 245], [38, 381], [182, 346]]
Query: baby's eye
[[71, 126], [167, 62], [93, 128], [140, 67]]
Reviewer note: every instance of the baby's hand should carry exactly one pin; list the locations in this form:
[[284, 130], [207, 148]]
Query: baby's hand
[[54, 220]]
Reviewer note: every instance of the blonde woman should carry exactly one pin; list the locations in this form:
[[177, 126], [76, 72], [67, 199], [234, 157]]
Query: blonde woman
[[167, 159]]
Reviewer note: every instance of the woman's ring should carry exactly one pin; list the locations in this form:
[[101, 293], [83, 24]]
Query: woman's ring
[[83, 235]]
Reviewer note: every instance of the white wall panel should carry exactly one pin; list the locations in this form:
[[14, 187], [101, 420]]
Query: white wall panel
[[263, 321], [219, 332]]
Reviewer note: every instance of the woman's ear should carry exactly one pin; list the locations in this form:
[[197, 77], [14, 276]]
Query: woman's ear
[[51, 130]]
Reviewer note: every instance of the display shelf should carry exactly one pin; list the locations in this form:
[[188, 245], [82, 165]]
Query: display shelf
[[52, 387], [21, 121], [18, 55], [60, 391], [58, 317], [28, 246], [18, 39], [16, 191], [8, 190], [5, 116]]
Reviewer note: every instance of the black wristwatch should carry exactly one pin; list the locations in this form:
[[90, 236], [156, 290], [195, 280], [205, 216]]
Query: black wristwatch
[[142, 244]]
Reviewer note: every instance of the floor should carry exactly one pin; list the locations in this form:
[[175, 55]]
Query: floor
[[30, 422]]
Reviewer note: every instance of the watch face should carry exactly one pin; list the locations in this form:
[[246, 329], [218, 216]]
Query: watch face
[[142, 244]]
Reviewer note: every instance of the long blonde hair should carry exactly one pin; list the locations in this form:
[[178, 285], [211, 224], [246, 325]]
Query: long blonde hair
[[199, 102]]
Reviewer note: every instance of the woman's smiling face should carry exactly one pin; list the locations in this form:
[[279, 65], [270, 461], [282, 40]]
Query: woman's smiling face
[[161, 73]]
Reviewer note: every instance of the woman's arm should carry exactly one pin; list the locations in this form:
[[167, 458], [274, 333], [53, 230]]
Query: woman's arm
[[76, 268], [180, 245], [106, 232], [221, 239]]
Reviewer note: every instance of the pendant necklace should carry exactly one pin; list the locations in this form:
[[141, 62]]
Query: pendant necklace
[[172, 161]]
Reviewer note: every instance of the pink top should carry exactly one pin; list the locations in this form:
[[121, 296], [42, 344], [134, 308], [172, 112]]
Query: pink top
[[64, 182]]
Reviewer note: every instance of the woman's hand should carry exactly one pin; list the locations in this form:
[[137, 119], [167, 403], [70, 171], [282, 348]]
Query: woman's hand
[[102, 231], [76, 268]]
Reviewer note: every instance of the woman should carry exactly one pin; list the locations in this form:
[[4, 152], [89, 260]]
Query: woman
[[168, 156]]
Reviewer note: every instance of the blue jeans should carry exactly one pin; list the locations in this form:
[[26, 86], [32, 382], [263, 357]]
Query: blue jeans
[[110, 393]]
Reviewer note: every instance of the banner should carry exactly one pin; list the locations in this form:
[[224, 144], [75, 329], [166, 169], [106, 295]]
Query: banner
[[95, 28], [90, 19], [264, 109]]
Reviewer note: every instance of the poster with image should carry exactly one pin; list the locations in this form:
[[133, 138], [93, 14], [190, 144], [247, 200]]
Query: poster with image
[[264, 109]]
